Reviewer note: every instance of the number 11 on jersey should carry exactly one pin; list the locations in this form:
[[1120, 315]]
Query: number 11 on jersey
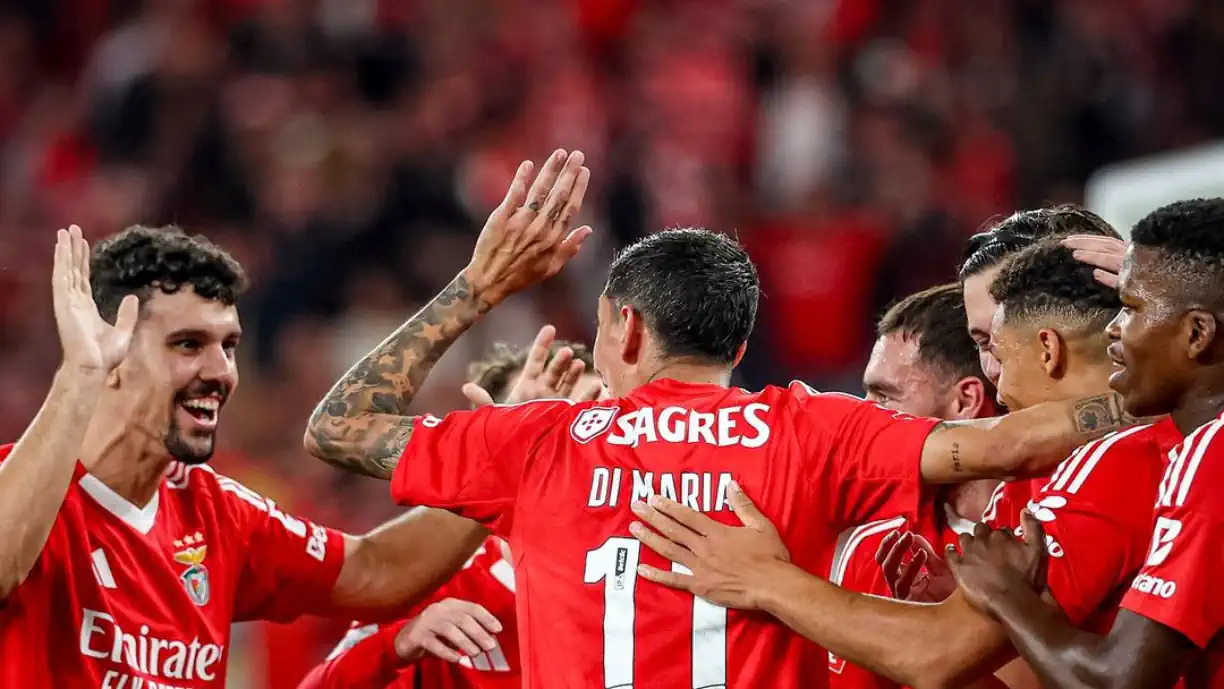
[[615, 563]]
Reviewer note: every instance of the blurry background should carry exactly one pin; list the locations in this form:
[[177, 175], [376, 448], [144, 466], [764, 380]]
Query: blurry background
[[347, 151]]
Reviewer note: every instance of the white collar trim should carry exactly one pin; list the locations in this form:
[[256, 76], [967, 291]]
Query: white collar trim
[[957, 523], [139, 518]]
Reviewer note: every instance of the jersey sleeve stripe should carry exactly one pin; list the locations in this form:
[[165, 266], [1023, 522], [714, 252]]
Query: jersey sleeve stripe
[[1168, 485], [1097, 455], [1067, 466], [853, 537], [1192, 469]]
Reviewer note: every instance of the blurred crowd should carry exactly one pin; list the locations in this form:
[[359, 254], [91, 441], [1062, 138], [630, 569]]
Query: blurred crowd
[[347, 151]]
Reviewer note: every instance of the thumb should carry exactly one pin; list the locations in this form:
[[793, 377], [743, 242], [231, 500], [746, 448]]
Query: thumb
[[1034, 532], [478, 396], [745, 510], [129, 313]]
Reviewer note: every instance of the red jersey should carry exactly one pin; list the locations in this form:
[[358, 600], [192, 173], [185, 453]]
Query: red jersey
[[559, 478], [124, 597], [1092, 510], [1176, 586], [366, 658], [855, 569]]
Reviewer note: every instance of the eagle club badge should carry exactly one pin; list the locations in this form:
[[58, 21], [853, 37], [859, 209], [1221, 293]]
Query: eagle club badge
[[195, 577]]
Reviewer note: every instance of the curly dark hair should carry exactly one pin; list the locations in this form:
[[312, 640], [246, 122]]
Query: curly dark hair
[[493, 372], [697, 291], [141, 259], [936, 316], [1005, 237], [1045, 282], [1189, 237]]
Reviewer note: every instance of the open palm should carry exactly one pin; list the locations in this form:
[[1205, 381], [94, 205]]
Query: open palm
[[89, 342]]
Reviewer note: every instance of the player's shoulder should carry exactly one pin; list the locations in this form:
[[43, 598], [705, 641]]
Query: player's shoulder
[[1195, 469]]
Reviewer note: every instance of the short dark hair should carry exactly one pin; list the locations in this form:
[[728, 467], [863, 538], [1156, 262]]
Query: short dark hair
[[697, 291], [141, 259], [494, 371], [1189, 236], [989, 247], [936, 316], [1045, 281]]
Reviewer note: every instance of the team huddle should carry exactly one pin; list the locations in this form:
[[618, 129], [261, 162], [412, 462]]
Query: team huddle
[[1021, 500]]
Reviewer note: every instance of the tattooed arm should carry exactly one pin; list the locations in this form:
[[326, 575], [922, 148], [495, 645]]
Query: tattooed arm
[[363, 425], [1022, 443]]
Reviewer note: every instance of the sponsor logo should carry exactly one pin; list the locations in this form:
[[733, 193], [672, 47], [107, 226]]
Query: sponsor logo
[[1146, 583], [1163, 534]]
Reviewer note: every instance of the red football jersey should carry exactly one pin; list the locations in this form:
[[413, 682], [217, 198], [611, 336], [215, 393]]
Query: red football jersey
[[124, 597], [1177, 586], [559, 478], [855, 569], [1096, 527], [366, 658]]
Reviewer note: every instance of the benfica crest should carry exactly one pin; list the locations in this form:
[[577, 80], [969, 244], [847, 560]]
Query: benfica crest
[[195, 577]]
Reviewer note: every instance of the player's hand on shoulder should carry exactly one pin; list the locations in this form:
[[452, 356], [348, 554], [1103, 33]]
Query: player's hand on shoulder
[[527, 238], [90, 343], [923, 578], [448, 629], [542, 378], [993, 563], [728, 565]]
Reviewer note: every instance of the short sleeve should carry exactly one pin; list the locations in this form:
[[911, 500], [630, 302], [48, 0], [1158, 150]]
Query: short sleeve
[[291, 564], [873, 455], [1177, 586], [1095, 532], [471, 462]]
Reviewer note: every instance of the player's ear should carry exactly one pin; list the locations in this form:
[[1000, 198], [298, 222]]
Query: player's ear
[[1053, 352], [1200, 328], [632, 335], [970, 400], [739, 354]]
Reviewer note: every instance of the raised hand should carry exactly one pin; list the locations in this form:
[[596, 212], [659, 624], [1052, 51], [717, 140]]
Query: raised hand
[[448, 629], [88, 341], [1102, 253], [527, 239], [993, 562], [542, 378]]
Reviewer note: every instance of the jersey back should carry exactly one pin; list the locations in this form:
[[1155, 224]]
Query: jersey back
[[559, 480]]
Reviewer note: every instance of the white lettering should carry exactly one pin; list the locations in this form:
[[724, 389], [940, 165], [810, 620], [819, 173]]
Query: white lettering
[[1146, 583], [143, 653], [600, 479], [724, 428], [697, 490]]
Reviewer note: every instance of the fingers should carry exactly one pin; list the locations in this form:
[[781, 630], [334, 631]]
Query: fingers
[[61, 270], [474, 630], [80, 259], [561, 194], [659, 544], [690, 518], [573, 243], [953, 558], [544, 182], [746, 510], [664, 524], [477, 395], [129, 313], [1105, 278], [1034, 532], [588, 392], [909, 573], [570, 378], [886, 546], [537, 356], [434, 646], [558, 367], [1089, 242], [574, 206], [891, 563], [517, 193], [675, 580]]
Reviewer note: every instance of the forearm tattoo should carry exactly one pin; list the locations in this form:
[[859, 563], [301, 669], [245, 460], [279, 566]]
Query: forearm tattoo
[[362, 425]]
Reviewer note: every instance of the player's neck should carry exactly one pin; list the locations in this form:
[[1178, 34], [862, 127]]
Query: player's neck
[[1203, 402], [1086, 381], [693, 373], [129, 461], [969, 499]]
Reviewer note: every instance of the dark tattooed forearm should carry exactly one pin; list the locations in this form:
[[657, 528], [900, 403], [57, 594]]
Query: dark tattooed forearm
[[362, 424]]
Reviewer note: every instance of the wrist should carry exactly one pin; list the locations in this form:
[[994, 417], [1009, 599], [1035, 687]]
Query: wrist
[[80, 379], [772, 585], [484, 294]]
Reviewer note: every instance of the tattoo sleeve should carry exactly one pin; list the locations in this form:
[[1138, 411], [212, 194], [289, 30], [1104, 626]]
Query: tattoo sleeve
[[362, 424]]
